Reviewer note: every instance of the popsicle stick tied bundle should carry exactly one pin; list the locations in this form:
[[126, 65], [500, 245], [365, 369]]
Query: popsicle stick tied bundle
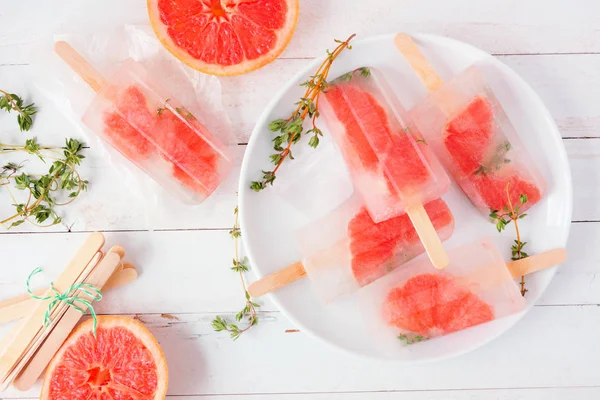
[[49, 316]]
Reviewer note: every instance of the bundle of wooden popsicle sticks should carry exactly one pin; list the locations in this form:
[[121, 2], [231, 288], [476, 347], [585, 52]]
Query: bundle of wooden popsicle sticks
[[30, 345]]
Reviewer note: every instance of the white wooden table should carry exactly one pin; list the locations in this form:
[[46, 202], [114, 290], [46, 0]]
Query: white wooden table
[[185, 278]]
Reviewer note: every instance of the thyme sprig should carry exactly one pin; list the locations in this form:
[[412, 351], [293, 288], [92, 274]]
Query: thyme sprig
[[62, 178], [291, 129], [498, 159], [249, 312], [502, 219], [11, 102], [411, 339]]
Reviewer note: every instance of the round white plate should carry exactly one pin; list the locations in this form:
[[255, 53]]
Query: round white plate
[[317, 181]]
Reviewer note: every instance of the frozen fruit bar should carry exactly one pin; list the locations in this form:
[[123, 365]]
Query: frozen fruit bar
[[390, 167], [416, 303], [469, 131], [150, 128], [367, 251], [158, 134]]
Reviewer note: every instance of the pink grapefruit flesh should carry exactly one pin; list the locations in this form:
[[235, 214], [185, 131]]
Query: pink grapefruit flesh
[[368, 131], [123, 127], [224, 37], [469, 134], [375, 245], [492, 189], [432, 305], [195, 161], [123, 362]]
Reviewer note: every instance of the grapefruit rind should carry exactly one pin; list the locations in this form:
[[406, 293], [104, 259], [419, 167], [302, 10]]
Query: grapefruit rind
[[107, 322], [283, 38]]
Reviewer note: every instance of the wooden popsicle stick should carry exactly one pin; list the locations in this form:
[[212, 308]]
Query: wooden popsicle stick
[[127, 275], [17, 307], [37, 364], [537, 262], [34, 322], [428, 235], [118, 249], [277, 280], [79, 65], [418, 62], [55, 317], [11, 334]]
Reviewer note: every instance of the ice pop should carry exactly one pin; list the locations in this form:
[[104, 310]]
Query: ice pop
[[390, 168], [416, 303], [466, 126], [152, 129], [365, 252]]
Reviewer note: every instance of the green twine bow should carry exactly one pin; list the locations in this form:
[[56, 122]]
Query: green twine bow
[[68, 298]]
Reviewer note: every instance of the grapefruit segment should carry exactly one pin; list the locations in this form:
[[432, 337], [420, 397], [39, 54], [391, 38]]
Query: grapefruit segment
[[492, 190], [123, 126], [376, 247], [194, 161], [124, 361], [434, 304], [224, 37], [469, 134]]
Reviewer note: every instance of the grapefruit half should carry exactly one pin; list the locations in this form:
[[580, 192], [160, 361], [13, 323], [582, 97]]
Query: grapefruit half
[[469, 134], [224, 37], [123, 362]]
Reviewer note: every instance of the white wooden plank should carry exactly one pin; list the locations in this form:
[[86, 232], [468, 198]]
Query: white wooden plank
[[182, 272], [498, 26], [189, 271], [576, 393], [568, 84], [113, 204], [494, 394], [552, 344], [575, 281], [584, 159]]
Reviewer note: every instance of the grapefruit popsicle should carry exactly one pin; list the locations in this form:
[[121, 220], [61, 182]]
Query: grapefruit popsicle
[[347, 250], [468, 129], [390, 167], [416, 303], [154, 131]]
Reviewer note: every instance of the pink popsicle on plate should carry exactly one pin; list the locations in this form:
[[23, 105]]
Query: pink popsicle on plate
[[416, 303], [149, 127], [391, 168], [346, 249], [369, 250], [468, 129]]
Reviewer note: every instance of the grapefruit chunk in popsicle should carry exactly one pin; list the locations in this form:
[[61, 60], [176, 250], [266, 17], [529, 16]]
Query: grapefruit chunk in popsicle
[[389, 168], [468, 135], [378, 248], [391, 171]]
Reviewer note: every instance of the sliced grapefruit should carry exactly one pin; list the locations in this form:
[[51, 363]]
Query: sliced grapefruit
[[492, 190], [224, 37], [433, 305], [124, 362], [375, 246], [195, 161], [123, 126], [469, 134], [368, 130]]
